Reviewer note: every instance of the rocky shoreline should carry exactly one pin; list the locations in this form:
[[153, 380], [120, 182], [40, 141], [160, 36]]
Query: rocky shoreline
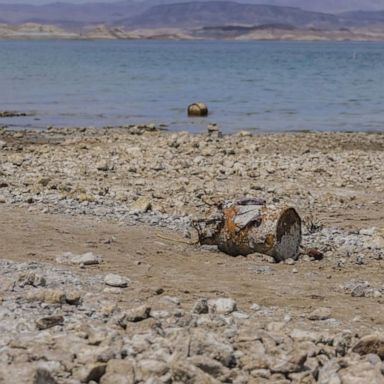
[[102, 282]]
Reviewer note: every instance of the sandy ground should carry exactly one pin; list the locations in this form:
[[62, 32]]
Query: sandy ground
[[188, 272]]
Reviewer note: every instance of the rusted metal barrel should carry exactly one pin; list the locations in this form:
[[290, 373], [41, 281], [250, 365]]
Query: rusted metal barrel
[[197, 109], [246, 226]]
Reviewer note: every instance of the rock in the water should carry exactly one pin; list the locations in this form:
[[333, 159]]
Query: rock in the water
[[223, 306], [114, 280]]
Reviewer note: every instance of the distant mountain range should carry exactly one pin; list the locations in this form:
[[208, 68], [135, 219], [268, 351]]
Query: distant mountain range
[[65, 13], [156, 14], [328, 6], [364, 17], [213, 13]]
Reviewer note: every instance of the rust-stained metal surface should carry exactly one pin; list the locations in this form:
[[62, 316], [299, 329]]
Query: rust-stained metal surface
[[247, 226], [197, 109]]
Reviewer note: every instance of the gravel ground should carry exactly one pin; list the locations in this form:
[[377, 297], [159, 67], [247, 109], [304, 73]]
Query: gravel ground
[[102, 282]]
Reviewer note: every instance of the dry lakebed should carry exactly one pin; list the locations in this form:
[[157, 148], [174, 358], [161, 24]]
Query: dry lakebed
[[102, 280]]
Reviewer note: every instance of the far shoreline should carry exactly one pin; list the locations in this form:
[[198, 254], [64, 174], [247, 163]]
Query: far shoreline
[[35, 31], [55, 38]]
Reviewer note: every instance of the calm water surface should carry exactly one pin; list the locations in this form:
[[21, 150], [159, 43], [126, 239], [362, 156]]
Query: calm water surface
[[265, 86]]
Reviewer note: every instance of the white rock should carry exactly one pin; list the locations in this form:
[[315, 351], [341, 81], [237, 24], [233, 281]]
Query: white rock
[[367, 231], [141, 205], [114, 280], [31, 278], [303, 335], [200, 306], [255, 307], [245, 133], [26, 373], [85, 259], [113, 290], [171, 299], [275, 326], [160, 314], [103, 166], [320, 313], [240, 315], [377, 242], [223, 306]]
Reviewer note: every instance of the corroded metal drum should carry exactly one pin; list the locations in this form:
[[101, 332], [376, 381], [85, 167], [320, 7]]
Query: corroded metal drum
[[197, 109], [249, 225]]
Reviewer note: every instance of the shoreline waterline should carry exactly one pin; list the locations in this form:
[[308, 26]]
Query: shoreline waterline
[[264, 86]]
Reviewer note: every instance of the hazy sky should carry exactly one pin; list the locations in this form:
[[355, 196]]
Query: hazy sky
[[37, 2], [329, 4]]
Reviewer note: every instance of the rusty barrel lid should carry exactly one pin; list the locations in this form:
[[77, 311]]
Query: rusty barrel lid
[[197, 109]]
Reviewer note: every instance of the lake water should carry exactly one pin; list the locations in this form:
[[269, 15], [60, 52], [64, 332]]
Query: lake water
[[262, 86]]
